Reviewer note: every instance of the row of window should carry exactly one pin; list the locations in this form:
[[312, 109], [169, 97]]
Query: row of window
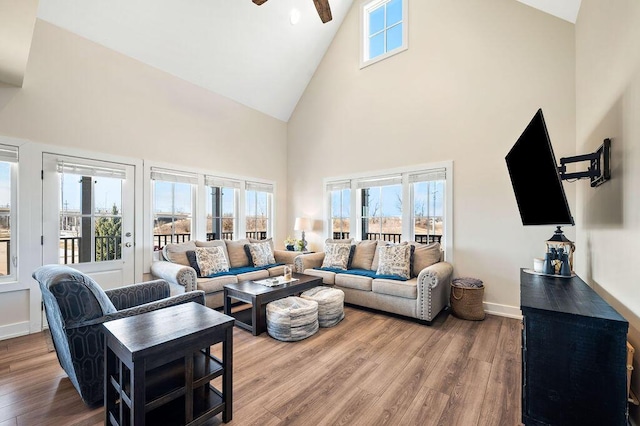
[[409, 206], [173, 203]]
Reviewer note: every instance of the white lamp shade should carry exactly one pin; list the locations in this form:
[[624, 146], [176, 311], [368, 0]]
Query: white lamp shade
[[302, 224]]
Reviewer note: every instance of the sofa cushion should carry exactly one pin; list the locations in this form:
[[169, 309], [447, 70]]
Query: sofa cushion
[[257, 274], [336, 255], [328, 277], [395, 260], [211, 260], [177, 253], [193, 262], [237, 255], [406, 289], [260, 254], [268, 240], [363, 273], [376, 257], [424, 255], [357, 282], [215, 243], [337, 240], [274, 271], [215, 284], [363, 253]]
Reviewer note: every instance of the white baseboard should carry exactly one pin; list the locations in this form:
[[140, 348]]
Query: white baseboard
[[14, 330], [502, 310]]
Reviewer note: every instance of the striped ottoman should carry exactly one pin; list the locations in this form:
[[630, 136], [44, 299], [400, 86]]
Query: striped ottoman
[[330, 304], [292, 319]]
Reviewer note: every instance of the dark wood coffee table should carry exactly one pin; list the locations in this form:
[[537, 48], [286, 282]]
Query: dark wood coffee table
[[255, 319]]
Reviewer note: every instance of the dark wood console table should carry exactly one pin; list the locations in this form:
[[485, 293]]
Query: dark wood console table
[[573, 354], [158, 366]]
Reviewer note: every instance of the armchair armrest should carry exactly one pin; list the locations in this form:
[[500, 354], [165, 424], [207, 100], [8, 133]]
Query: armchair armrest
[[285, 256], [193, 296], [434, 285], [138, 294], [308, 261], [175, 273]]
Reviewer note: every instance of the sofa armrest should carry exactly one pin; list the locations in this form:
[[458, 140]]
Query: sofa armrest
[[434, 285], [175, 273], [308, 261], [285, 256], [138, 294]]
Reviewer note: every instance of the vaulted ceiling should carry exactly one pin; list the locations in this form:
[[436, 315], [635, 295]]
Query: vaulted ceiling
[[252, 54]]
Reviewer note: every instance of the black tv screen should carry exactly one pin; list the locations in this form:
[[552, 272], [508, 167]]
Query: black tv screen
[[535, 179]]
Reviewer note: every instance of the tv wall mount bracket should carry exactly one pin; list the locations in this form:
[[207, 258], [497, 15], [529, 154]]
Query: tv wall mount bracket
[[599, 169]]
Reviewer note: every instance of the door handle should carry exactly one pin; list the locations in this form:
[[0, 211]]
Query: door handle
[[127, 244]]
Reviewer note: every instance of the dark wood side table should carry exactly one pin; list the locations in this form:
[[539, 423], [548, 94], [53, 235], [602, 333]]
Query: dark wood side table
[[255, 319], [573, 354], [158, 366]]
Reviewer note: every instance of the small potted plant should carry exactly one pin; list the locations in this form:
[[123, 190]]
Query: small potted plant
[[290, 243]]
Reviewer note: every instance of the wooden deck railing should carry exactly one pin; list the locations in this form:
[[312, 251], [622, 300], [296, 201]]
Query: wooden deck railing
[[110, 246], [391, 237], [7, 248], [160, 240]]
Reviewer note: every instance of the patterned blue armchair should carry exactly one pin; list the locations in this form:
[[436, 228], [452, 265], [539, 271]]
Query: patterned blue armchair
[[76, 306]]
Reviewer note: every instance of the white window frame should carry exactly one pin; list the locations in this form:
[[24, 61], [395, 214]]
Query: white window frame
[[10, 154], [264, 187], [338, 186], [174, 176], [221, 182], [366, 8], [199, 200], [356, 181]]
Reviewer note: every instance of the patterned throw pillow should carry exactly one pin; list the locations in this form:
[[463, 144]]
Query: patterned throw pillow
[[395, 260], [261, 253], [336, 255], [211, 260]]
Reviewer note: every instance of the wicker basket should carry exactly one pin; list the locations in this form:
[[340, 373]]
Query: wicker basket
[[466, 298]]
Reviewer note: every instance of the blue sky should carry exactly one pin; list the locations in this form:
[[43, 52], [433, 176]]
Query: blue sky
[[108, 191], [162, 197], [387, 198], [5, 184], [385, 18]]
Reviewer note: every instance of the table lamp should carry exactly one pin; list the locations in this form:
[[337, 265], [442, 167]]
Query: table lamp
[[302, 224]]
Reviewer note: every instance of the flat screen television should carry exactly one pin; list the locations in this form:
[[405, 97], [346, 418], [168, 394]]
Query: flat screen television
[[535, 179]]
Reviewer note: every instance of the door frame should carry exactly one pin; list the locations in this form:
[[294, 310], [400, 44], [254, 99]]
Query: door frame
[[35, 151]]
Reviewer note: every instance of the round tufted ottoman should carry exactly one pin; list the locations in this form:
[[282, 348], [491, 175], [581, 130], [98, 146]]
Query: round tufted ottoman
[[292, 318], [330, 304]]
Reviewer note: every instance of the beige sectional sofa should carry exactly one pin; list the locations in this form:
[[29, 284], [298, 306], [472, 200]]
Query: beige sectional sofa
[[422, 296], [177, 270]]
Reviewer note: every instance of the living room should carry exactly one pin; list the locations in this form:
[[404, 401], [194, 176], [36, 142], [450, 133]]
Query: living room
[[471, 79]]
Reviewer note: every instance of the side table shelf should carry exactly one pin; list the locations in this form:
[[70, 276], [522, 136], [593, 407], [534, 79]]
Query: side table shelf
[[165, 379]]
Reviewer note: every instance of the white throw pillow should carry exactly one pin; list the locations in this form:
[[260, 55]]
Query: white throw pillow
[[395, 260], [336, 255], [261, 253], [211, 260]]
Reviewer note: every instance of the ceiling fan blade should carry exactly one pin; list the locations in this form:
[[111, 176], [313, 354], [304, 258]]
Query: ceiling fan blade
[[259, 2], [322, 6]]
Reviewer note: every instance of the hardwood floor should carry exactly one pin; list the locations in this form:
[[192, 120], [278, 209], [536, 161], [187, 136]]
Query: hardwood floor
[[371, 369]]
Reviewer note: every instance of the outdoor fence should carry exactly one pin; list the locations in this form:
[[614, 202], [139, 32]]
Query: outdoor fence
[[391, 237]]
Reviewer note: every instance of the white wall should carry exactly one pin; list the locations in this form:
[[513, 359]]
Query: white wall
[[78, 95], [475, 73], [608, 106]]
